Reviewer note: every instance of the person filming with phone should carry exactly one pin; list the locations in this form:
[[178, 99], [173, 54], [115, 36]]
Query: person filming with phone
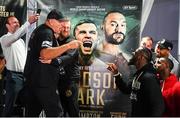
[[14, 50]]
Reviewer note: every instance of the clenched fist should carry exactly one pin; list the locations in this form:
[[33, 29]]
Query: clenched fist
[[113, 68], [74, 44]]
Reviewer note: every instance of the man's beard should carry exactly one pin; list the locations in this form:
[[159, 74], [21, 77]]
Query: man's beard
[[158, 55], [62, 37], [86, 59], [112, 40], [132, 61]]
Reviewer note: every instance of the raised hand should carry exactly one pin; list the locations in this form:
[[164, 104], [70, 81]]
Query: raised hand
[[74, 44], [113, 68], [33, 18]]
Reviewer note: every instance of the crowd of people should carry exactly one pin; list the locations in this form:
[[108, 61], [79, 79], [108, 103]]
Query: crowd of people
[[47, 74], [152, 78]]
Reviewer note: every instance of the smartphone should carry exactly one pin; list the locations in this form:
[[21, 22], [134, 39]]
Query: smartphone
[[38, 11]]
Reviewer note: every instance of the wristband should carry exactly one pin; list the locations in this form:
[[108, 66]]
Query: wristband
[[117, 74]]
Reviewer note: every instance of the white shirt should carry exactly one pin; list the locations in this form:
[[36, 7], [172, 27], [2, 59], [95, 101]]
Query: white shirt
[[14, 49]]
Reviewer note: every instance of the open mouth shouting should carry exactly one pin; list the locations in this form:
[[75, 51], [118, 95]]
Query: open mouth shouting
[[87, 45]]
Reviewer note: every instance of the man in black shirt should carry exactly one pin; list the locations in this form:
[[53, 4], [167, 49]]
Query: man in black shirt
[[144, 90], [68, 74], [41, 83]]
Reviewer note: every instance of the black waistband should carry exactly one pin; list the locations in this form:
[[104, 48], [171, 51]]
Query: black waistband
[[15, 72]]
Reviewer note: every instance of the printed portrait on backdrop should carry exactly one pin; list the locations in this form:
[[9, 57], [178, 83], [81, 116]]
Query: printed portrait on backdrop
[[109, 31]]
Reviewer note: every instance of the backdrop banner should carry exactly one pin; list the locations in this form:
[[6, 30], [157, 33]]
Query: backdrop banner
[[98, 95]]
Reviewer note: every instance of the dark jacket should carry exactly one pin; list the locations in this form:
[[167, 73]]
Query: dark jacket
[[145, 93], [68, 62], [38, 74]]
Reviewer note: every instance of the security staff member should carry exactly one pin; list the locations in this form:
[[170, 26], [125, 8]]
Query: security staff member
[[68, 74], [42, 78], [144, 90]]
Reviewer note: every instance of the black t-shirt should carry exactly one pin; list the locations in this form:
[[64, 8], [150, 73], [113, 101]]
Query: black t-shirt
[[69, 62], [37, 73]]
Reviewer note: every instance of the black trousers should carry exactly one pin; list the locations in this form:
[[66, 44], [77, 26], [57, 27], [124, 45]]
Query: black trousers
[[45, 98], [14, 83], [68, 92]]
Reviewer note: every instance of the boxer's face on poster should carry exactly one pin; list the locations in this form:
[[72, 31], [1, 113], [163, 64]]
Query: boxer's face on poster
[[87, 33], [115, 28]]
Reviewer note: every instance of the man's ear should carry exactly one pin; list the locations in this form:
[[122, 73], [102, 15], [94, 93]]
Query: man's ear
[[7, 25], [50, 21], [167, 65], [167, 52], [102, 27]]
